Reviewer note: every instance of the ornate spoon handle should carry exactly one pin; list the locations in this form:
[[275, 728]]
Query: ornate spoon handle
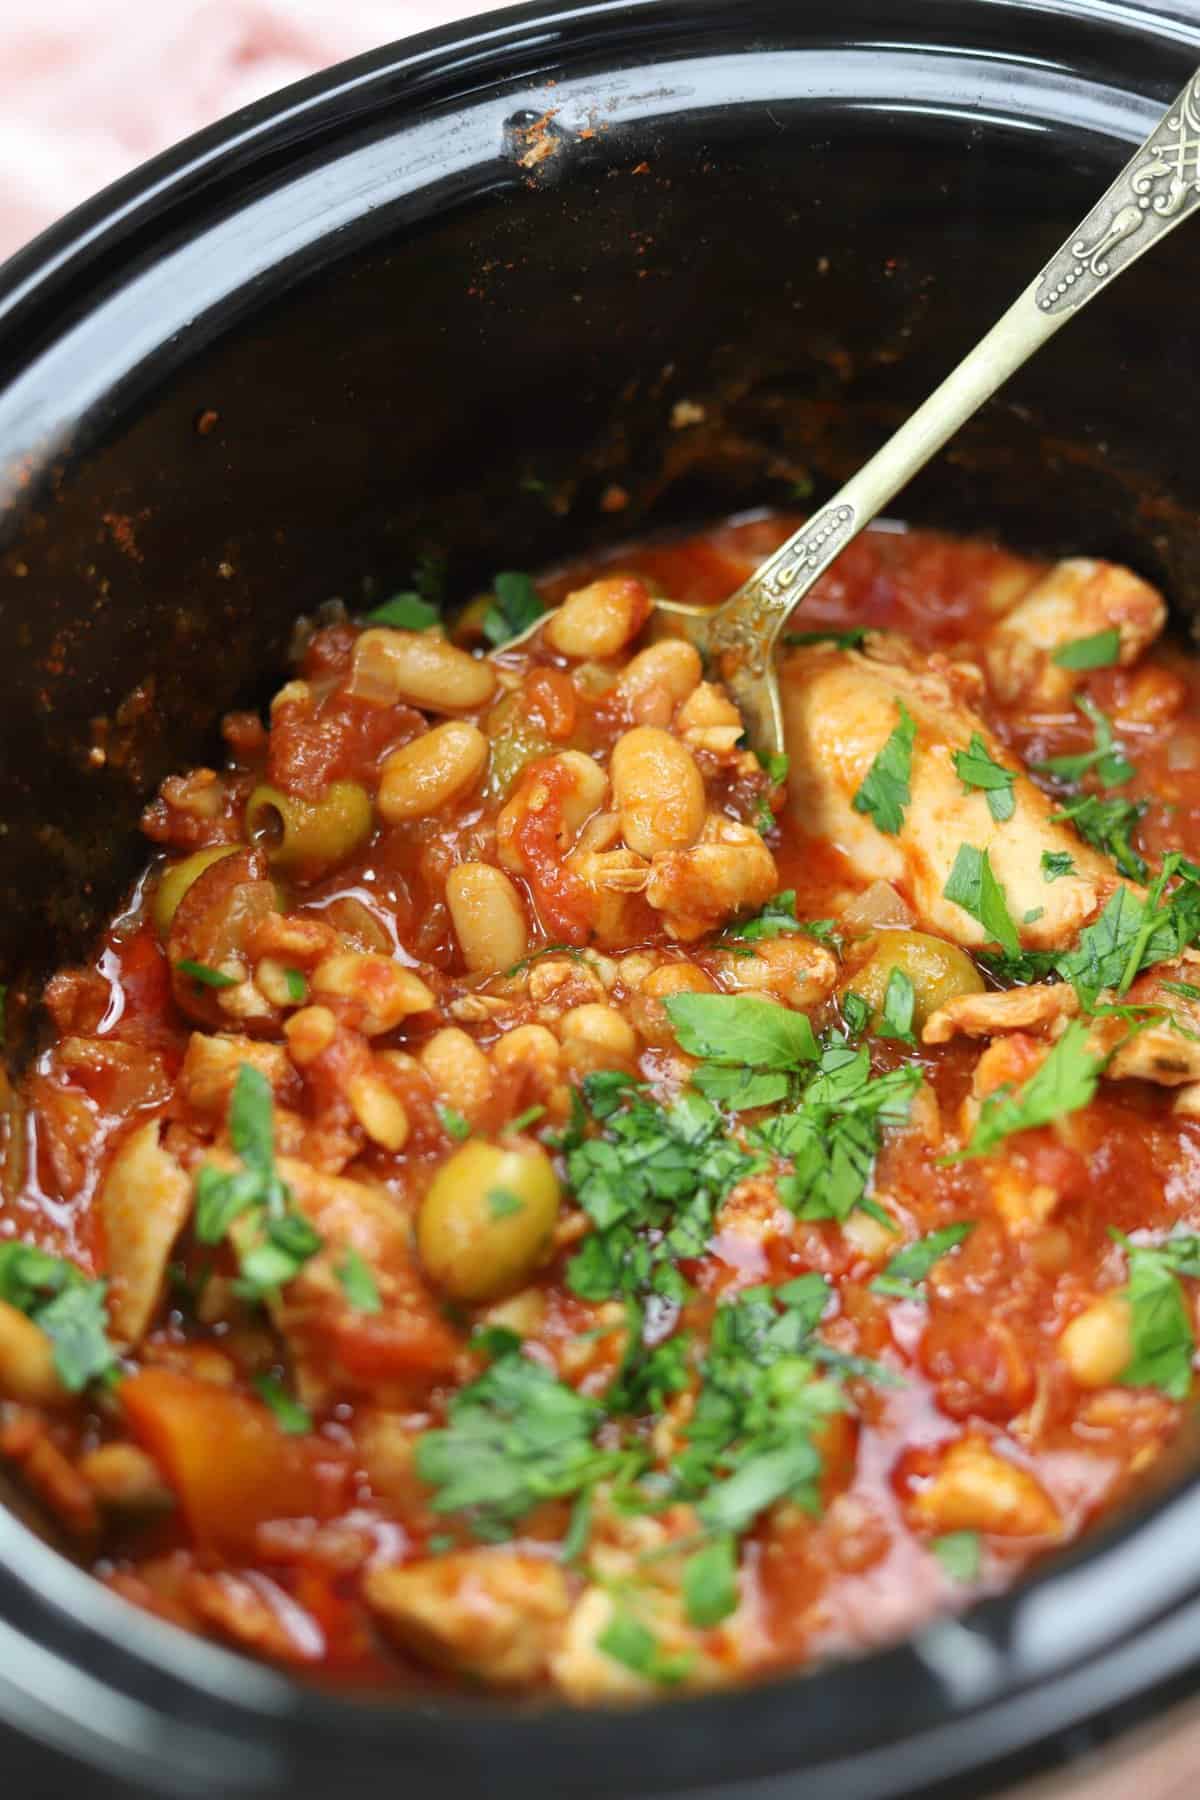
[[1157, 188]]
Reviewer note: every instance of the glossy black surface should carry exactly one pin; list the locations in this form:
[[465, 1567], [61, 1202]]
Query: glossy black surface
[[793, 216]]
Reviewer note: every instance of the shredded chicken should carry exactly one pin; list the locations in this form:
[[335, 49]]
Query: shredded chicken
[[145, 1200], [494, 1614], [1039, 1006], [1077, 599], [841, 707]]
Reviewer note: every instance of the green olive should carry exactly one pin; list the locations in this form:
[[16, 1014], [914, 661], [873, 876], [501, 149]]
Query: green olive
[[939, 972], [307, 837], [175, 881], [485, 1223]]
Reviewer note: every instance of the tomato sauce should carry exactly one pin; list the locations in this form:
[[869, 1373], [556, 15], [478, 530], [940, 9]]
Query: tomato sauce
[[249, 1464]]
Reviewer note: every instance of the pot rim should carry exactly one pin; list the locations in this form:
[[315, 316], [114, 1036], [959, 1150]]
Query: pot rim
[[1091, 1639]]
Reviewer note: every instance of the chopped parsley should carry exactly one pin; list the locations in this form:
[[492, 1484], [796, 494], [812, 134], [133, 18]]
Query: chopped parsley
[[977, 768], [252, 1203], [774, 764], [405, 612], [750, 1439], [710, 1587], [358, 1282], [68, 1307], [850, 639], [1106, 759], [1106, 824], [453, 1123], [296, 986], [778, 919], [1066, 1081], [899, 1002], [516, 606], [1184, 989], [1159, 1315], [833, 1137], [204, 976], [513, 1438], [973, 886], [502, 1203], [904, 1274], [1132, 934], [1099, 651], [885, 792], [960, 1554], [650, 1181], [290, 1416], [1056, 864], [525, 1119], [630, 1642]]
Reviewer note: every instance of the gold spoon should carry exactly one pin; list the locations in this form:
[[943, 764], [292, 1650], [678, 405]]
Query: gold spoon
[[1159, 186]]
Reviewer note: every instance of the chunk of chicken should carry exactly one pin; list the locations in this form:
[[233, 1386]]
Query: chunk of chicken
[[144, 1202], [210, 1069], [1078, 598], [974, 1489], [1164, 1049], [841, 707], [729, 871], [587, 1674], [396, 1352], [1040, 1006], [796, 970], [494, 1614]]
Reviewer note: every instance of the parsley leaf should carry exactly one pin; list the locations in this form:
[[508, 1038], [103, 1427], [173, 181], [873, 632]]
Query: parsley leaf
[[710, 1590], [650, 1181], [960, 1554], [76, 1322], [833, 1138], [517, 606], [514, 1437], [627, 1640], [737, 1089], [777, 919], [974, 887], [1056, 863], [841, 640], [1132, 934], [885, 792], [358, 1282], [741, 1028], [502, 1203], [453, 1123], [902, 1278], [1066, 1081], [405, 612], [295, 986], [290, 1416], [204, 976], [1099, 651], [272, 1242], [899, 1002], [1106, 824], [977, 768], [750, 1436], [1160, 1322], [68, 1307], [1106, 757]]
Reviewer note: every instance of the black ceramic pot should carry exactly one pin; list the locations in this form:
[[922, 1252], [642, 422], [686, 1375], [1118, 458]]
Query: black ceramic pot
[[444, 302]]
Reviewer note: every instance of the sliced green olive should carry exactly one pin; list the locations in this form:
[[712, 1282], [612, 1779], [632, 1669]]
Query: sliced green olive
[[306, 837], [487, 1219], [175, 881], [939, 972]]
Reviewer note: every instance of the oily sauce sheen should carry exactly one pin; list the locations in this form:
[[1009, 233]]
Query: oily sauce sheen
[[469, 1314]]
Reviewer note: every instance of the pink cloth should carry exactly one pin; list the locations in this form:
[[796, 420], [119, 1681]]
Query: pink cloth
[[94, 87]]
